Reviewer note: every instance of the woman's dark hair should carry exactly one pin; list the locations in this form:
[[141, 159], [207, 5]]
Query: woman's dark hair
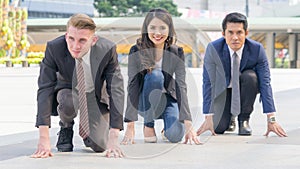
[[144, 42], [235, 17]]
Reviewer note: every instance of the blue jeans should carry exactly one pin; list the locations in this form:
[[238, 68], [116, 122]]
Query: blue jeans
[[154, 104]]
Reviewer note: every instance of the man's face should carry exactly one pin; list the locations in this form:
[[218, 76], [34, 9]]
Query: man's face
[[235, 35], [79, 41]]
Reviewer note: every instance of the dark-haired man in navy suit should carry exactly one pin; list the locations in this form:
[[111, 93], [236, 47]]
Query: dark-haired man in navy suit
[[253, 77]]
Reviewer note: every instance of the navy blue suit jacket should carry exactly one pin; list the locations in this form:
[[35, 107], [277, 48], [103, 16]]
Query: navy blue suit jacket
[[217, 73]]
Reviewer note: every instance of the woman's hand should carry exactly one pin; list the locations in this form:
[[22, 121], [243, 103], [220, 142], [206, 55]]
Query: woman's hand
[[129, 134]]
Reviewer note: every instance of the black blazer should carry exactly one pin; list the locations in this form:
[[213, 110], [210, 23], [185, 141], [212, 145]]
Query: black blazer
[[56, 72], [172, 63]]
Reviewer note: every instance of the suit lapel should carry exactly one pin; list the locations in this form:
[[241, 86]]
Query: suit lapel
[[95, 62], [226, 61], [70, 64], [168, 61], [164, 62], [245, 57]]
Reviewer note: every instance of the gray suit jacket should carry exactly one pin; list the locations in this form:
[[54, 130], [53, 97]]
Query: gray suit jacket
[[56, 72]]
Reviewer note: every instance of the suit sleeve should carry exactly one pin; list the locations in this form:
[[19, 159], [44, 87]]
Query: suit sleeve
[[209, 77], [263, 73], [181, 88], [47, 81], [134, 85], [115, 89]]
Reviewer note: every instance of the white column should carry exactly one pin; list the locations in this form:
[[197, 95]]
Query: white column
[[292, 49], [270, 48]]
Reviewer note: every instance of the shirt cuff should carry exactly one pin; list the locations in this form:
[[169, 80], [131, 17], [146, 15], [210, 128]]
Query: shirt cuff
[[270, 113]]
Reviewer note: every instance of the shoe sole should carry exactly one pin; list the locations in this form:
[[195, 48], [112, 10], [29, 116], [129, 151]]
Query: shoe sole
[[230, 130], [245, 134], [64, 150], [152, 139]]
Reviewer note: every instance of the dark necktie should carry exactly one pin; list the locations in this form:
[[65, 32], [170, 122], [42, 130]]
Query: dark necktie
[[83, 118], [235, 97]]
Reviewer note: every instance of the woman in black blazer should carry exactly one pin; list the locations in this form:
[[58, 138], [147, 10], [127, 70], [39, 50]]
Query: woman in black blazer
[[152, 90]]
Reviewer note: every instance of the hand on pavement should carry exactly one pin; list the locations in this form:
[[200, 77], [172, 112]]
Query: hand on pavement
[[276, 128], [207, 125], [129, 134], [190, 134], [43, 149], [113, 149]]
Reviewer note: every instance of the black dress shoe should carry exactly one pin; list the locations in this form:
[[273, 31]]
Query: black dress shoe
[[232, 124], [244, 128], [65, 140], [88, 142]]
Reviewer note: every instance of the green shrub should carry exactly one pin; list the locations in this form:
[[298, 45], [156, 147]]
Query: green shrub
[[34, 60], [3, 60]]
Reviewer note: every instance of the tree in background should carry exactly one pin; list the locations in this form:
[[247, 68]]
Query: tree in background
[[119, 8]]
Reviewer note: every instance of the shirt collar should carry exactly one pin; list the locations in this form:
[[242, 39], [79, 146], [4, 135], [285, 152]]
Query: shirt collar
[[238, 52], [86, 57]]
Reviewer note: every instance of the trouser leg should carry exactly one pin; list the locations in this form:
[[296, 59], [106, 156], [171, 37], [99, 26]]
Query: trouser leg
[[249, 90], [222, 124], [67, 114], [98, 124], [65, 108], [150, 96], [174, 129]]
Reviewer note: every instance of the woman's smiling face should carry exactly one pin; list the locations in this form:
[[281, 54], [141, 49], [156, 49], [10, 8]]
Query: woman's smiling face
[[158, 32]]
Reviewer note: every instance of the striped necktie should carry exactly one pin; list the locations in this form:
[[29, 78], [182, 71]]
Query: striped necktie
[[83, 118]]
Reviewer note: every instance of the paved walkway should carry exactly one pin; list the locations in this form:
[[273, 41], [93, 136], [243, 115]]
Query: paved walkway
[[18, 136]]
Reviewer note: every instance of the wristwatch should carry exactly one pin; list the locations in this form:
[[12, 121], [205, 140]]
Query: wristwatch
[[271, 119]]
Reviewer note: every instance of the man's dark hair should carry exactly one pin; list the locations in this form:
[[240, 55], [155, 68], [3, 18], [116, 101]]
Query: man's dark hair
[[235, 17]]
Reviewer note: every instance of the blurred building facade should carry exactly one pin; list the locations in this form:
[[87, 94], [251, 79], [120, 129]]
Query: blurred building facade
[[274, 41], [57, 8], [193, 10], [251, 8]]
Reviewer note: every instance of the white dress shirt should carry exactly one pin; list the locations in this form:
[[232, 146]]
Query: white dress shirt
[[86, 64]]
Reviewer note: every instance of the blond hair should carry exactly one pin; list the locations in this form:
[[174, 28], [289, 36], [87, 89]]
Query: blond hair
[[81, 21]]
